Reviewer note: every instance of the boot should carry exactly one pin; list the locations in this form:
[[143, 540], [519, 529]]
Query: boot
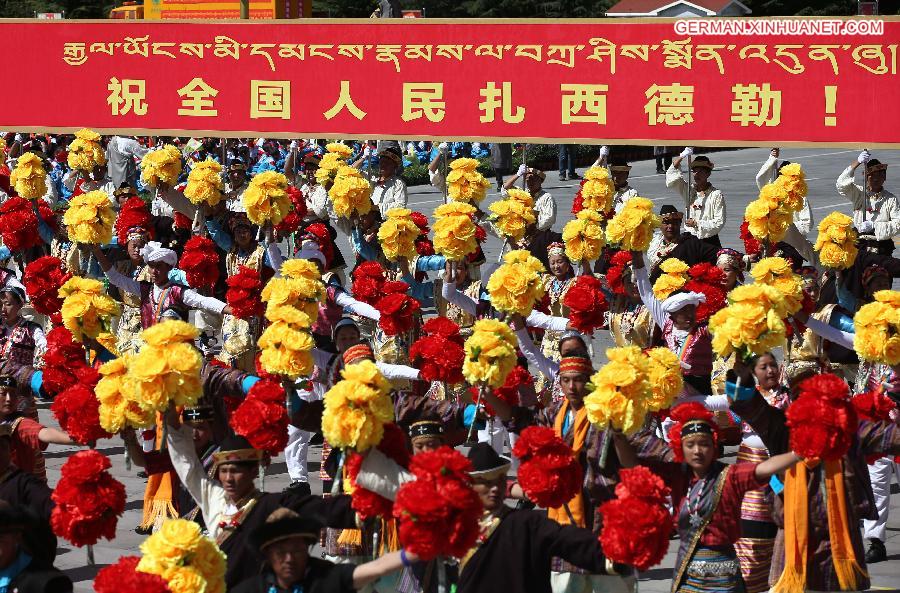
[[876, 551]]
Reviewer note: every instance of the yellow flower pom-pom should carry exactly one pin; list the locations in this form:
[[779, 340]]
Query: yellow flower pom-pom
[[877, 329], [465, 183], [598, 190], [584, 236], [85, 152], [751, 324], [836, 242], [29, 178], [204, 184], [328, 168], [511, 217], [620, 390], [89, 218], [161, 166], [666, 284], [167, 368], [664, 375], [777, 273], [350, 193], [792, 179], [86, 310], [516, 285], [632, 228], [286, 350], [521, 196], [296, 269], [397, 234], [340, 149], [490, 353], [673, 265], [266, 199], [454, 231], [357, 407], [180, 554]]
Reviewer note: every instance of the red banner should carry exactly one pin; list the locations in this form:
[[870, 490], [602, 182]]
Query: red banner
[[654, 81]]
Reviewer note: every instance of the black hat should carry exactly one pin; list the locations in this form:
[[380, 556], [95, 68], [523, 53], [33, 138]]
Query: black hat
[[670, 211], [875, 165], [284, 524], [487, 463], [619, 165], [235, 449], [236, 165], [199, 413], [8, 381], [426, 429], [393, 153], [702, 162]]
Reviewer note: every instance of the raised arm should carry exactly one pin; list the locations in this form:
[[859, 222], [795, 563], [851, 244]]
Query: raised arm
[[645, 290], [450, 294], [765, 174], [775, 465]]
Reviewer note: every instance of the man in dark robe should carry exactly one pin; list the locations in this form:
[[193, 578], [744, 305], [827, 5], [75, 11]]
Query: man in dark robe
[[673, 243]]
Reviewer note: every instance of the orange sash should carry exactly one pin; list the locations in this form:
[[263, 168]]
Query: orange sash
[[579, 432]]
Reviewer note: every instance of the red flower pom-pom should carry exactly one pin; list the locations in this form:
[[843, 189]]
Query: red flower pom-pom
[[368, 278], [578, 202], [708, 280], [444, 327], [438, 512], [200, 262], [62, 359], [319, 233], [424, 246], [586, 304], [438, 358], [124, 577], [134, 213], [19, 224], [874, 406], [752, 246], [636, 526], [78, 411], [89, 501], [42, 279], [262, 417], [294, 218], [46, 213], [420, 221], [182, 221], [244, 294], [550, 475], [365, 502], [509, 391], [822, 419], [397, 308], [681, 414], [614, 274]]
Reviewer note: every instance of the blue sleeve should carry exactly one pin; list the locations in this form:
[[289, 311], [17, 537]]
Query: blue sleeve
[[218, 234], [364, 249], [845, 298], [5, 253], [248, 382], [430, 263], [421, 291], [44, 229], [738, 394], [37, 384], [178, 276], [838, 320]]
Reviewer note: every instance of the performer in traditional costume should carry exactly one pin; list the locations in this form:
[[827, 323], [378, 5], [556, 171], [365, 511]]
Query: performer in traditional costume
[[803, 218], [629, 319], [388, 188], [875, 209], [619, 169], [556, 283], [671, 242], [705, 205]]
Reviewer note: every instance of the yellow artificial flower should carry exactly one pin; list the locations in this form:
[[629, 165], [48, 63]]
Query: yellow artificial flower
[[117, 409], [454, 231], [620, 390], [204, 184], [767, 296], [89, 218], [357, 408], [673, 265], [295, 269], [171, 331], [792, 179], [521, 196], [180, 554], [664, 377], [167, 368], [350, 193], [397, 234], [598, 190], [29, 178], [777, 273], [877, 329], [584, 236], [328, 168], [490, 353], [891, 297], [632, 228], [465, 183], [511, 217], [85, 152], [162, 165], [86, 310], [748, 327], [266, 199], [666, 284], [340, 149], [516, 285], [836, 242]]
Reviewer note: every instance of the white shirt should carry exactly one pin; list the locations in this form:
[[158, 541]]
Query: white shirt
[[803, 219], [387, 195], [882, 208], [707, 208]]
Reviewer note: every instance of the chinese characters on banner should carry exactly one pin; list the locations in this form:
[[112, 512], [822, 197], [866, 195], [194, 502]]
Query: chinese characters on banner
[[586, 81]]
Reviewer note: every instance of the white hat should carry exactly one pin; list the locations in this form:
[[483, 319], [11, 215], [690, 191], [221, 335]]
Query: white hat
[[679, 301], [311, 250], [154, 252]]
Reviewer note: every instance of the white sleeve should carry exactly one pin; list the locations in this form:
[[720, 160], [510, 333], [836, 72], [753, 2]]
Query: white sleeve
[[674, 180], [764, 175], [714, 403], [398, 371], [122, 282], [382, 475], [318, 202], [795, 239], [547, 322], [888, 229], [275, 257], [195, 300], [356, 307], [438, 180], [848, 188], [455, 297], [545, 209], [188, 467], [134, 148], [832, 334], [69, 179], [547, 367], [708, 227], [803, 219], [178, 202], [642, 282]]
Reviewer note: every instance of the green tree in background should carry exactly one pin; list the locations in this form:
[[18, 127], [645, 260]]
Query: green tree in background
[[74, 9]]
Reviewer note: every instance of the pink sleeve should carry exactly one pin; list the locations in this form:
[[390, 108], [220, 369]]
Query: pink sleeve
[[28, 431]]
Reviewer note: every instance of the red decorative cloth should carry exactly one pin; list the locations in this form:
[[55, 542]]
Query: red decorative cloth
[[262, 417], [200, 262], [586, 304], [822, 419], [42, 279], [123, 576], [89, 501], [244, 294], [549, 474]]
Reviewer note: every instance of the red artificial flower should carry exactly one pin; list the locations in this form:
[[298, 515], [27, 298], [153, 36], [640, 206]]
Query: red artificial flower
[[294, 218], [368, 279], [438, 512], [42, 279], [77, 409], [509, 391], [319, 233], [444, 327], [578, 202], [874, 406], [822, 419], [480, 234], [123, 576], [134, 213], [46, 213], [424, 246], [752, 245], [365, 502], [421, 221], [200, 262], [262, 417], [438, 358], [586, 303], [61, 359], [614, 274], [244, 294], [397, 308], [549, 474], [715, 298], [640, 482], [182, 221], [19, 224], [707, 273], [88, 500], [681, 414]]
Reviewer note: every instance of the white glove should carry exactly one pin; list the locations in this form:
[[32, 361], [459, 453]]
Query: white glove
[[260, 141], [410, 147], [421, 145], [443, 147], [866, 227], [311, 141], [688, 151], [19, 138], [522, 169], [863, 157], [604, 151], [367, 152], [294, 145], [476, 146]]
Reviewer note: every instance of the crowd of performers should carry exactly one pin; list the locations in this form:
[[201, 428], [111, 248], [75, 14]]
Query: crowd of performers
[[773, 518]]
